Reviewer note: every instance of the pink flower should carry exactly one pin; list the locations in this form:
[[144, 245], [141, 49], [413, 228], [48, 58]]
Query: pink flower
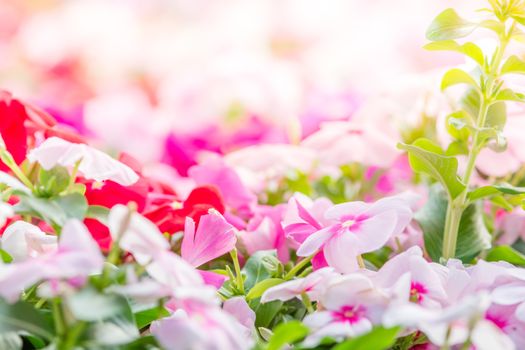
[[77, 256], [22, 240], [512, 293], [200, 326], [213, 171], [94, 164], [351, 305], [357, 228], [413, 278], [213, 238], [264, 232], [304, 217], [312, 285]]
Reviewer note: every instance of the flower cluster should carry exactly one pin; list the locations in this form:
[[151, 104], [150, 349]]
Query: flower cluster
[[335, 238]]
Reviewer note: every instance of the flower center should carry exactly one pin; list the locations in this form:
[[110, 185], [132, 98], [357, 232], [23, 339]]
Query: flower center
[[348, 223], [349, 313], [417, 292]]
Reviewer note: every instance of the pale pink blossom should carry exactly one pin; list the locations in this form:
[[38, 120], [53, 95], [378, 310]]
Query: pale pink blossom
[[357, 228], [94, 164], [77, 256], [198, 326], [239, 308], [212, 238], [351, 306], [22, 240], [313, 285], [453, 324], [413, 279], [136, 234], [512, 293]]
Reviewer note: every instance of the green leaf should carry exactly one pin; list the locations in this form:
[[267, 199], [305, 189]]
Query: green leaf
[[496, 115], [448, 25], [260, 266], [469, 49], [6, 258], [262, 286], [10, 341], [458, 125], [53, 181], [111, 332], [457, 76], [265, 313], [287, 333], [90, 305], [473, 236], [56, 209], [378, 339], [510, 95], [99, 213], [426, 157], [145, 317], [22, 316], [487, 191], [506, 253], [514, 65]]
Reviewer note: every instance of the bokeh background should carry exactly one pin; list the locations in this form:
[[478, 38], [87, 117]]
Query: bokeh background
[[165, 79]]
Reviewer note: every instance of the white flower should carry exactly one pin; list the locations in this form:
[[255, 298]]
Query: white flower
[[94, 164], [22, 240]]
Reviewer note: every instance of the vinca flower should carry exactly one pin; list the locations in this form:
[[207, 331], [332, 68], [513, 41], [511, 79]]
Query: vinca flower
[[93, 164], [356, 228]]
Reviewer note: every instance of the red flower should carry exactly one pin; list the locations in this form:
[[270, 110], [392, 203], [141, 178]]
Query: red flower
[[12, 118], [170, 217]]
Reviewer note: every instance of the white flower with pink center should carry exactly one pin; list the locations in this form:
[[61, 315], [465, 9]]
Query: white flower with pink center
[[357, 228]]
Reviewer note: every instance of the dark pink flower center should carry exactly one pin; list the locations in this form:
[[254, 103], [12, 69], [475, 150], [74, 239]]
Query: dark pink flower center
[[349, 313], [417, 292], [498, 320]]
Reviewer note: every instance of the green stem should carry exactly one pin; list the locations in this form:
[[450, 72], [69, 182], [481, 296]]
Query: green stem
[[457, 206], [9, 161], [58, 317], [291, 274], [73, 176], [307, 302], [238, 273], [72, 336]]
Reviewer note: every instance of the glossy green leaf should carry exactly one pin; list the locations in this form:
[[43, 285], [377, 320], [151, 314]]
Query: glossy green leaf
[[265, 313], [514, 64], [287, 333], [52, 182], [56, 209], [449, 25], [457, 76], [261, 287], [22, 316], [469, 49], [143, 318], [510, 95], [427, 157], [379, 338], [458, 125], [473, 236], [260, 266], [506, 253], [487, 191]]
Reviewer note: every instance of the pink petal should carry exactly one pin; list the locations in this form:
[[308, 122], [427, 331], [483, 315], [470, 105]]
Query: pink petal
[[314, 242], [373, 233], [341, 252]]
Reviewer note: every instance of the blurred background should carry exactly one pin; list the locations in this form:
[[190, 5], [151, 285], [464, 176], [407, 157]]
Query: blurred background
[[163, 79]]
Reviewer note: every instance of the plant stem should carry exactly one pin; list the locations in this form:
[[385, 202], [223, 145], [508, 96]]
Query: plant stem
[[457, 206], [291, 274], [238, 273], [307, 302], [9, 161]]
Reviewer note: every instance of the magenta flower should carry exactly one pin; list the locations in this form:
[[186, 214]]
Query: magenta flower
[[213, 238], [357, 228]]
